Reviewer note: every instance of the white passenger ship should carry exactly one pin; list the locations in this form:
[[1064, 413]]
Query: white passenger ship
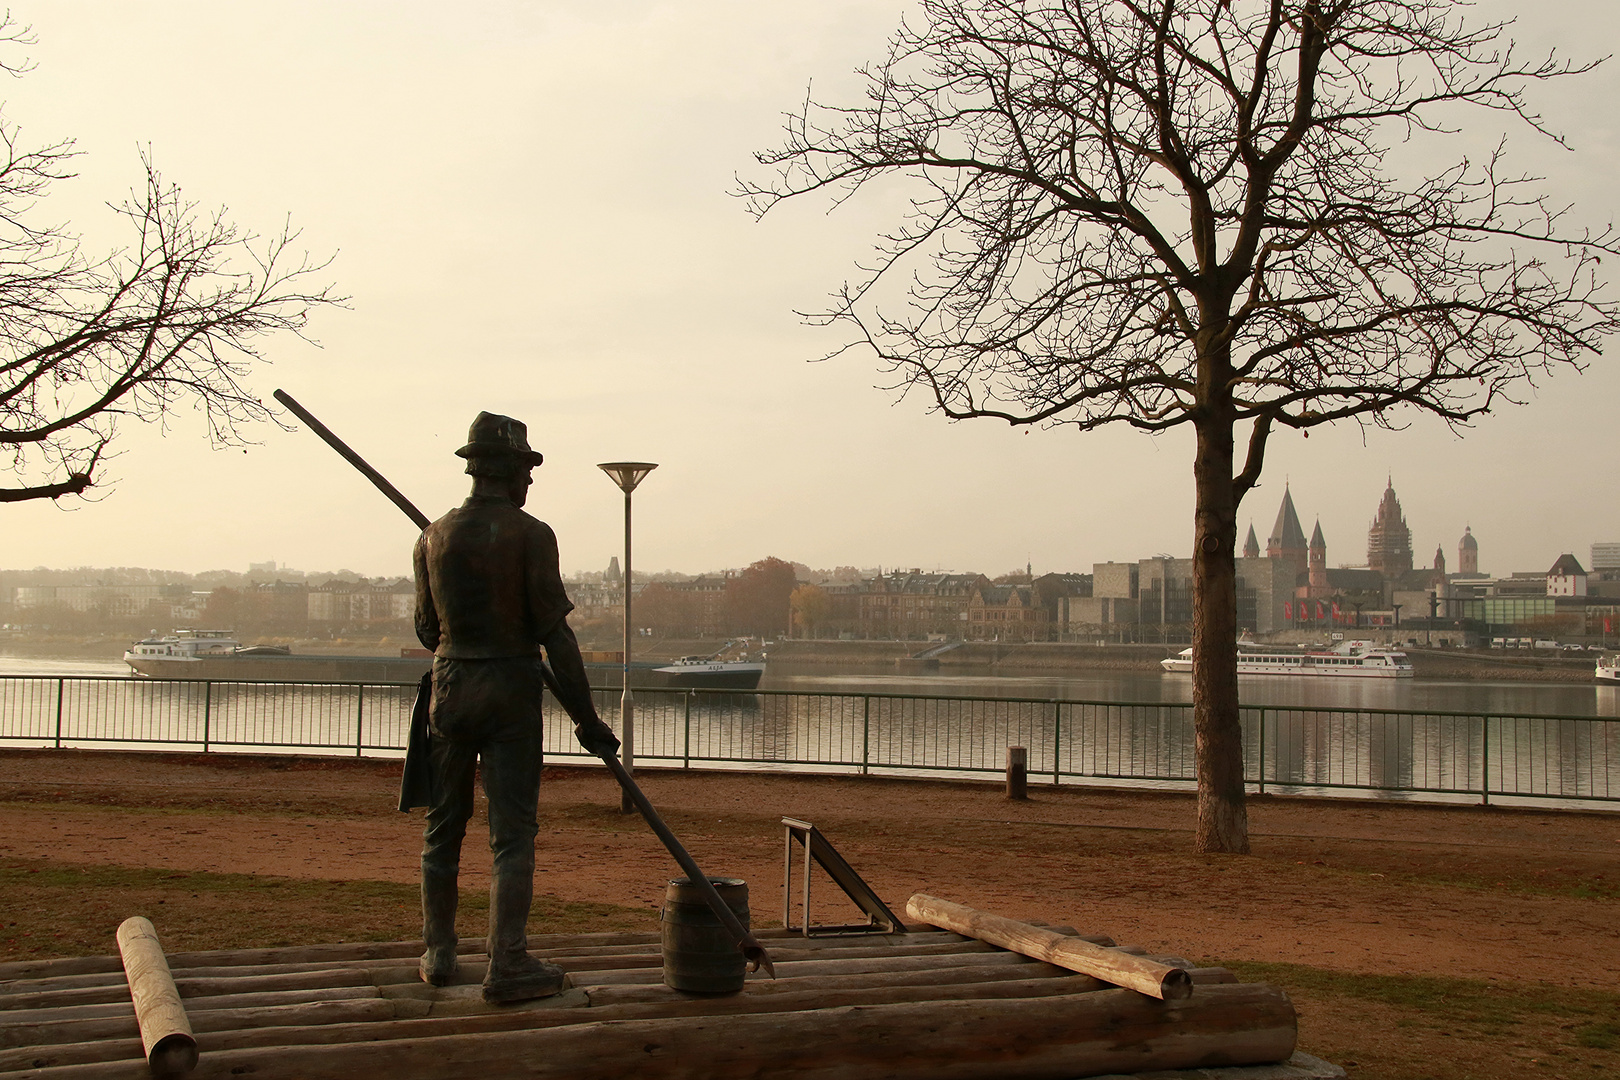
[[1350, 659], [1608, 670]]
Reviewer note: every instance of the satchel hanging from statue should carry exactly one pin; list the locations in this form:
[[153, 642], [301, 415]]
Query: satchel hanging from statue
[[416, 784]]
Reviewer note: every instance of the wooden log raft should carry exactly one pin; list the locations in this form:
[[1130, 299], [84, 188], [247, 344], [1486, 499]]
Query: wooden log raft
[[1050, 1038], [923, 1004], [1145, 976], [165, 1033]]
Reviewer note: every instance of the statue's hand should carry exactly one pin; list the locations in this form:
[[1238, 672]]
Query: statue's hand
[[597, 737]]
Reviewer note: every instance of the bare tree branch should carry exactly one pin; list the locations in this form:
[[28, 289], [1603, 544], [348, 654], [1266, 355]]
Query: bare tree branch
[[175, 319]]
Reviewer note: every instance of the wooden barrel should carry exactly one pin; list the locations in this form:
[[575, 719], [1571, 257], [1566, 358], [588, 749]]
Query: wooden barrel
[[699, 954]]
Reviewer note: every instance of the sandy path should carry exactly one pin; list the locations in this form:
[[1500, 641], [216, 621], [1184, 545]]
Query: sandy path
[[1375, 888]]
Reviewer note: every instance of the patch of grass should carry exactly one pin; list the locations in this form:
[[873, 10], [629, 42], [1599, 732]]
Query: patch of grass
[[1603, 1035], [52, 909], [1505, 1025], [1448, 999], [1561, 885]]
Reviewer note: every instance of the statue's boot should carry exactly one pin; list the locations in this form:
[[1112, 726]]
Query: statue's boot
[[513, 974], [438, 964]]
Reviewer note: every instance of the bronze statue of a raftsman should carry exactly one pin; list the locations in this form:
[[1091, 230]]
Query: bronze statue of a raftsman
[[489, 595]]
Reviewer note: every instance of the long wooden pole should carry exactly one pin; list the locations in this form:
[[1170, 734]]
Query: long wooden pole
[[752, 949], [1110, 965], [417, 517]]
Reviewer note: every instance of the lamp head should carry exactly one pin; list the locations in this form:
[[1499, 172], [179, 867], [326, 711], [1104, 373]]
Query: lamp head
[[627, 474]]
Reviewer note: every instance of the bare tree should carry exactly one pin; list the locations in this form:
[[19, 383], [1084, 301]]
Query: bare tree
[[174, 319], [1167, 212]]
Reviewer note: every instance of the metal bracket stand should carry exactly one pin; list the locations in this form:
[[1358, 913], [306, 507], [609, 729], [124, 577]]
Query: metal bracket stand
[[880, 920]]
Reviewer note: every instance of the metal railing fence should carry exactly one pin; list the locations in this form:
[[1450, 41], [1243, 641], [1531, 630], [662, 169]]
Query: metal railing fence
[[1285, 748]]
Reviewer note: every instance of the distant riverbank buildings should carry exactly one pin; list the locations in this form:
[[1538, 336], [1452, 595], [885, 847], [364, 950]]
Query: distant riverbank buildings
[[1286, 590]]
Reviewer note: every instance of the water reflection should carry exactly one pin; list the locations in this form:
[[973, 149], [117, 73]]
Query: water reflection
[[1424, 695]]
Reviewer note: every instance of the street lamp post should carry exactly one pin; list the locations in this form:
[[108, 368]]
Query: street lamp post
[[627, 474]]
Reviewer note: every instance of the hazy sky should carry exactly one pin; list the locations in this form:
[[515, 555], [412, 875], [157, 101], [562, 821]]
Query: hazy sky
[[528, 205]]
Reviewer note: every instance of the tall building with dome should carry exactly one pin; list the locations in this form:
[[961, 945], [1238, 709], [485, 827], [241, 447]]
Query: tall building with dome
[[1389, 541], [1468, 553]]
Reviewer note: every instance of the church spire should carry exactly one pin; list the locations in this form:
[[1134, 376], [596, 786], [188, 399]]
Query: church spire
[[1287, 539]]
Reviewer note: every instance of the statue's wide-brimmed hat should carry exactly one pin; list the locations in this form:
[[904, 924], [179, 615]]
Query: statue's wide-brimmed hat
[[493, 435]]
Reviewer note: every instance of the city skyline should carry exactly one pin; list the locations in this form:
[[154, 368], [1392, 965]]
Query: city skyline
[[535, 202]]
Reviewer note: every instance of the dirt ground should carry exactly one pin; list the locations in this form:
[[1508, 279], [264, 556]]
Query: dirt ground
[[1373, 888]]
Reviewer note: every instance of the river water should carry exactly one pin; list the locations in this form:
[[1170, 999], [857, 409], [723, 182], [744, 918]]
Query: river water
[[1420, 695], [1451, 739], [1496, 697]]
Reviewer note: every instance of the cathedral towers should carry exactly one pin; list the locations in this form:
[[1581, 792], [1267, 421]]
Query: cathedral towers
[[1389, 553], [1318, 570], [1287, 539], [1389, 541]]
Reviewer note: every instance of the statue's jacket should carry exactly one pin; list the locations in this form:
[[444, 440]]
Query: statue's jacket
[[488, 587]]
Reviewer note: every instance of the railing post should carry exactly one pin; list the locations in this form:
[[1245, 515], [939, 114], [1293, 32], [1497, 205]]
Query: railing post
[[1261, 774], [1057, 743], [686, 751], [208, 711], [866, 737], [359, 716], [1485, 760], [59, 713]]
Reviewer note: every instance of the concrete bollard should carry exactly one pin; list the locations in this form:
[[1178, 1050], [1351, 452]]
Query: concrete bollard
[[1017, 772]]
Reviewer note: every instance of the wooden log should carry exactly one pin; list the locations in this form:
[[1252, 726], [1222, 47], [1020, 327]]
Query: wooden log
[[48, 1033], [1054, 1038], [60, 1054], [608, 995], [165, 1031], [322, 978], [802, 968], [938, 979], [1211, 975], [384, 950], [1111, 965], [13, 970], [52, 1057], [781, 955], [242, 1001]]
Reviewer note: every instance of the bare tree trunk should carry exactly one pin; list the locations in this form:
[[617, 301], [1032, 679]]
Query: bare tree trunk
[[1223, 820]]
